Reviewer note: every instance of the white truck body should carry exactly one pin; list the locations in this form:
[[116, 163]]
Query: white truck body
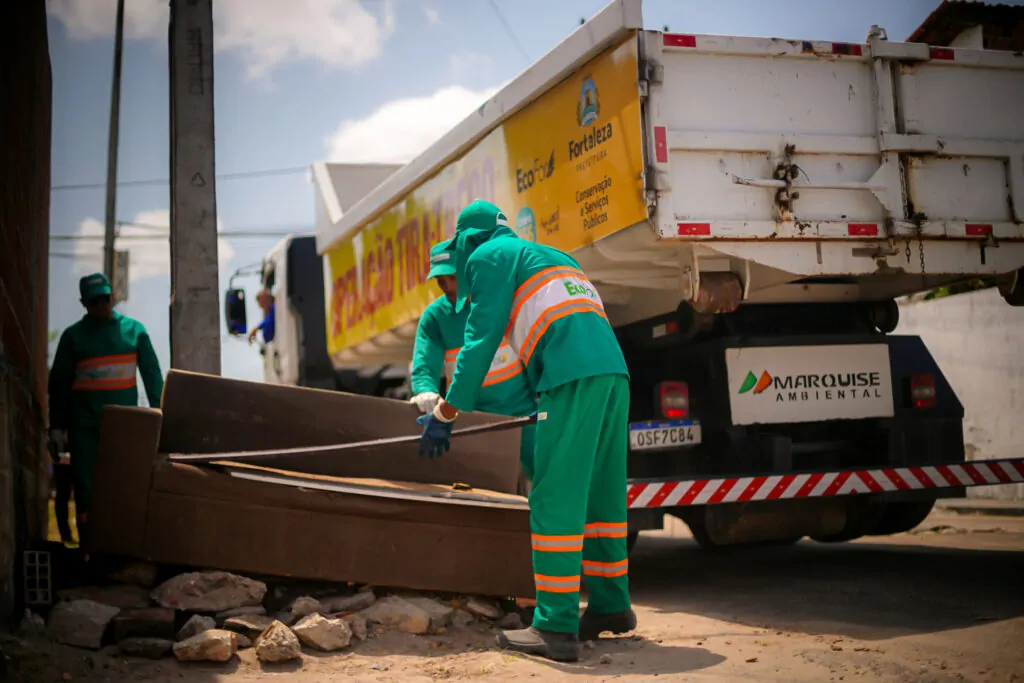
[[813, 171]]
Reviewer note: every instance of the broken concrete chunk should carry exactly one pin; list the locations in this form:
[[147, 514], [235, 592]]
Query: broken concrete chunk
[[31, 624], [482, 608], [243, 642], [147, 648], [277, 644], [241, 612], [394, 612], [80, 622], [122, 597], [214, 645], [149, 622], [209, 592], [196, 625], [323, 634], [440, 613], [348, 603], [249, 624], [461, 617], [305, 606], [356, 624]]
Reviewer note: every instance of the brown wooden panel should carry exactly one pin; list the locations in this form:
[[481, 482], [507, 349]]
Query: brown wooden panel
[[209, 414], [252, 537], [121, 483]]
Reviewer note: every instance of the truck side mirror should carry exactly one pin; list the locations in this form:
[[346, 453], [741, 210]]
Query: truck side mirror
[[234, 311]]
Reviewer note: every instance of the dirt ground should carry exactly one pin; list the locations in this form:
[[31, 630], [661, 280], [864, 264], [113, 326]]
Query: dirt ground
[[942, 603]]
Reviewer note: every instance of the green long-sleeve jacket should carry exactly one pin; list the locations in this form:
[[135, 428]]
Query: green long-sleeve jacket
[[95, 366], [439, 336], [535, 295]]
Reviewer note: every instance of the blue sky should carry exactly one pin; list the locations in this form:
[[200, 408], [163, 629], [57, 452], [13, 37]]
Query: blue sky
[[307, 80]]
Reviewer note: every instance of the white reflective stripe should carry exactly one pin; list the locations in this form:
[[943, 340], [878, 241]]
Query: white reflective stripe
[[548, 295], [504, 359], [117, 367]]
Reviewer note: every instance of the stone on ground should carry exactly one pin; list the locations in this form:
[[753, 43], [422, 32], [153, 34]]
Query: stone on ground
[[395, 612], [249, 624], [510, 622], [214, 645], [461, 617], [277, 644], [241, 612], [440, 613], [81, 623], [348, 603], [209, 592], [122, 596], [482, 608], [323, 634], [196, 625], [148, 648], [304, 606], [148, 622], [31, 624], [357, 624]]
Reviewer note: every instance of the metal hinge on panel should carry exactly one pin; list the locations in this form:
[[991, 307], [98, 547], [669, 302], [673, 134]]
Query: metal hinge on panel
[[651, 71]]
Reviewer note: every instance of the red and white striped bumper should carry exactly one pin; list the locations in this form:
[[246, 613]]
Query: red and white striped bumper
[[655, 494]]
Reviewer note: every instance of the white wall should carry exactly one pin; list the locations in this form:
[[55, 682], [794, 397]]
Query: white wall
[[978, 341]]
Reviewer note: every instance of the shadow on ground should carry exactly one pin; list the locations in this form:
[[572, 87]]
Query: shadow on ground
[[861, 590]]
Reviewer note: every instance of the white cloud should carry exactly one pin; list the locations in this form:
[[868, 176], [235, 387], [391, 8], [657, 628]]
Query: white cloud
[[469, 63], [433, 17], [399, 130], [147, 258], [339, 33]]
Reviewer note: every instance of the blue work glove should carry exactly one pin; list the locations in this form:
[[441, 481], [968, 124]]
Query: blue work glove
[[436, 438]]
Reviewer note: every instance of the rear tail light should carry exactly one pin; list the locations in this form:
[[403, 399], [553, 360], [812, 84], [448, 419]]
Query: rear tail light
[[922, 390], [674, 399]]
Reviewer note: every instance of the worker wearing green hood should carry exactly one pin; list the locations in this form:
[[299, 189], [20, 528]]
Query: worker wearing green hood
[[439, 336], [539, 298]]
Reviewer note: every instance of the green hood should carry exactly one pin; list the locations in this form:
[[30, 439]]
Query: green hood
[[479, 222]]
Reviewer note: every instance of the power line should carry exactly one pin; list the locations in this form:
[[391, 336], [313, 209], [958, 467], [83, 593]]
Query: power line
[[165, 181], [511, 33]]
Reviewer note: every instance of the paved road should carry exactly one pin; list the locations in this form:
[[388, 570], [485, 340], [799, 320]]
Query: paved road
[[943, 603]]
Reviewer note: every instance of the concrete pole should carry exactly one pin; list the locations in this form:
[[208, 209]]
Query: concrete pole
[[110, 226], [195, 292]]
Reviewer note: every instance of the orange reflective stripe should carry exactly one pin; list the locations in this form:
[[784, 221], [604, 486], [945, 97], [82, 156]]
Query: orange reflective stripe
[[103, 384], [532, 285], [557, 544], [557, 584], [552, 314], [605, 569], [606, 530], [502, 375], [121, 359]]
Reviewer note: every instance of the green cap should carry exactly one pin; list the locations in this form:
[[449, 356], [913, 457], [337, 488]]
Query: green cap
[[442, 261], [479, 215], [92, 286]]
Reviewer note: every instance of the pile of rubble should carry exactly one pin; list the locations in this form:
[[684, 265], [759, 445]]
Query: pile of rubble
[[208, 616]]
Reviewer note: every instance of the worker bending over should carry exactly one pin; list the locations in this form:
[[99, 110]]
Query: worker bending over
[[95, 366], [555, 321], [504, 390]]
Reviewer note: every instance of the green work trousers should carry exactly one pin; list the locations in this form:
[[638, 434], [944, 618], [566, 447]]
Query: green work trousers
[[527, 441], [84, 447], [578, 501]]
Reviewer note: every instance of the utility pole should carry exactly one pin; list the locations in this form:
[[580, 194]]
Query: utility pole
[[195, 292], [110, 227]]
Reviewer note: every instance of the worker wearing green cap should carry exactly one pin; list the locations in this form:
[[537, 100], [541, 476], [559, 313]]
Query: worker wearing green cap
[[439, 336], [95, 366], [554, 319]]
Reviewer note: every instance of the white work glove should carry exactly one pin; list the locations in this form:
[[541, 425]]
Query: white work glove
[[425, 401]]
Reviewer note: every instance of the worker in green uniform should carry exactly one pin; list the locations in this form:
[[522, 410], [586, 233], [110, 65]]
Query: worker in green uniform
[[505, 389], [95, 366], [555, 321]]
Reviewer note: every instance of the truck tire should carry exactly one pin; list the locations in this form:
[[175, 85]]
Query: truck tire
[[700, 534], [862, 517], [900, 517], [1012, 288]]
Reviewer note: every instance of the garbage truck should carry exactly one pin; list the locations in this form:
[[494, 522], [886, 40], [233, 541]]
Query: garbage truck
[[750, 210]]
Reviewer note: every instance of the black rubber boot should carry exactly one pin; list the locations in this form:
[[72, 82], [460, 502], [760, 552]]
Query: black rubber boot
[[593, 625], [559, 647]]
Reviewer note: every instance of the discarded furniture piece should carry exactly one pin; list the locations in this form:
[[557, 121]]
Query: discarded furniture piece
[[381, 516]]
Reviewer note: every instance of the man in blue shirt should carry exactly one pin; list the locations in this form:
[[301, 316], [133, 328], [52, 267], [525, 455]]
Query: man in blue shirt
[[266, 302]]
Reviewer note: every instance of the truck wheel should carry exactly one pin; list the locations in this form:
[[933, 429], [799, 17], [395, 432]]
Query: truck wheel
[[900, 517], [1012, 288], [861, 519], [700, 534]]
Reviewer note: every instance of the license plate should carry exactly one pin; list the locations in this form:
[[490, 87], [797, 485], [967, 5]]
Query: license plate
[[649, 436]]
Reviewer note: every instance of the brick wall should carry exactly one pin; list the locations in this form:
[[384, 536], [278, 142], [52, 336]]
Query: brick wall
[[24, 243]]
